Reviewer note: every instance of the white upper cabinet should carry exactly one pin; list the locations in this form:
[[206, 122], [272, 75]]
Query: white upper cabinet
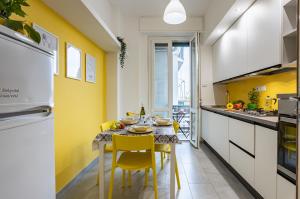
[[252, 43], [236, 45], [219, 60], [264, 34]]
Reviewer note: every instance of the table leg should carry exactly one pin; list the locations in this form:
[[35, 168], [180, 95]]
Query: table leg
[[172, 172], [101, 170]]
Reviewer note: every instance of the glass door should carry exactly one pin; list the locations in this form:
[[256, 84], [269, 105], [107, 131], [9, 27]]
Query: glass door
[[161, 70], [194, 112], [170, 86]]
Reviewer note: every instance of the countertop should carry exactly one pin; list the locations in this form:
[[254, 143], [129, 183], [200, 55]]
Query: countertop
[[268, 121]]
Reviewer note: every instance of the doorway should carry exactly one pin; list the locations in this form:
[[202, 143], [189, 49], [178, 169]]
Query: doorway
[[172, 88]]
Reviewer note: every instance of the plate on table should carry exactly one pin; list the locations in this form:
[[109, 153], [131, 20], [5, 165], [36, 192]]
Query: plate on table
[[129, 121], [163, 122], [140, 129]]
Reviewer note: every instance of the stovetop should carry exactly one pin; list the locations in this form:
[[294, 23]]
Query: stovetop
[[260, 113]]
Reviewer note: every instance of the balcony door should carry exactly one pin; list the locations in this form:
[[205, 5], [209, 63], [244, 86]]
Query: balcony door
[[161, 77], [172, 88]]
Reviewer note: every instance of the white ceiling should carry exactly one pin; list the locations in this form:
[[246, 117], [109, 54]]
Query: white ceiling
[[157, 7]]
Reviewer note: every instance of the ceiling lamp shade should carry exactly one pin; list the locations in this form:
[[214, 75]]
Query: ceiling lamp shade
[[174, 13]]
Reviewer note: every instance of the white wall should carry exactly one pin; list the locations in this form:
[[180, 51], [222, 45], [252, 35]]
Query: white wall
[[133, 84], [109, 14], [157, 25], [112, 85]]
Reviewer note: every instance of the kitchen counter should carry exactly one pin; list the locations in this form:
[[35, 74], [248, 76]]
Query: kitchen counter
[[266, 121]]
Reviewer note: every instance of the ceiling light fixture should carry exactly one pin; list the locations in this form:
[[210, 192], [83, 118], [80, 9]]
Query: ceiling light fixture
[[174, 13]]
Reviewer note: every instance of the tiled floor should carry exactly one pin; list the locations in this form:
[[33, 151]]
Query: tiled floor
[[202, 176], [183, 137]]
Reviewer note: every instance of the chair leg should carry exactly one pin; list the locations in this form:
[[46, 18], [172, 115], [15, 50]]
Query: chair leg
[[111, 184], [146, 177], [155, 182], [123, 178], [177, 174], [129, 178], [97, 179], [164, 155], [161, 161]]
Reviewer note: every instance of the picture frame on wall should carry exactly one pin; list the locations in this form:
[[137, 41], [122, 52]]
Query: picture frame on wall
[[90, 64], [50, 42], [73, 62]]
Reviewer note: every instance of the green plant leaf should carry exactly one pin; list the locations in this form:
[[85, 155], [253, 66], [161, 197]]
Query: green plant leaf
[[13, 24], [2, 5], [18, 10], [33, 34]]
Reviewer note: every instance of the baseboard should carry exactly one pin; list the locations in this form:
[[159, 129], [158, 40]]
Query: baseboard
[[237, 175], [76, 179]]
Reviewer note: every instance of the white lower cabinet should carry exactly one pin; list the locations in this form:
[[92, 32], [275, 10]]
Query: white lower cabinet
[[285, 189], [254, 157], [215, 132], [219, 133], [265, 162], [242, 163], [242, 134]]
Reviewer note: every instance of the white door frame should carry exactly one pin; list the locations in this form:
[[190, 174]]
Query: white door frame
[[197, 91], [151, 62]]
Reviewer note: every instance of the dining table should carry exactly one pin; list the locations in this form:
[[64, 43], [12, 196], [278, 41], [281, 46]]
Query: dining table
[[162, 135]]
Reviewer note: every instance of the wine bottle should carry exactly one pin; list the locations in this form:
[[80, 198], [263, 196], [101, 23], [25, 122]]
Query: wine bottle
[[142, 113]]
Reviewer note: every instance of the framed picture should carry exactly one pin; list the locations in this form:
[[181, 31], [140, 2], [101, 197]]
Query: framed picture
[[90, 64], [73, 62], [51, 43]]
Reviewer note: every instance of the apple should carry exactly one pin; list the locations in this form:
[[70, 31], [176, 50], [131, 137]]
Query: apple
[[122, 125]]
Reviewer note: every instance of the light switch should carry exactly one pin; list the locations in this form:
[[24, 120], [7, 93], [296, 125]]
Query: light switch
[[261, 88]]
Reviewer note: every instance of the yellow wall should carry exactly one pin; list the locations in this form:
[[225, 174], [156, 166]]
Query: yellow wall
[[276, 84], [79, 106]]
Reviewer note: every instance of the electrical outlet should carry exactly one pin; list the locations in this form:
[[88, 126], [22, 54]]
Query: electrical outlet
[[261, 88]]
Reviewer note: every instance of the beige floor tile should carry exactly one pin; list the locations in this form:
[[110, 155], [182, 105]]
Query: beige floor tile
[[203, 191], [202, 176]]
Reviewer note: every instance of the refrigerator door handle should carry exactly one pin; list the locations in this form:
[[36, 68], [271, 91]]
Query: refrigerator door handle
[[46, 110]]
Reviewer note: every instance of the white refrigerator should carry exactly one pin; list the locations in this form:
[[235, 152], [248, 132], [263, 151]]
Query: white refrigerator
[[26, 119]]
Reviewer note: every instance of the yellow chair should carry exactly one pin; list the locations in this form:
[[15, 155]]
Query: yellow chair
[[108, 147], [105, 127], [129, 160], [166, 148]]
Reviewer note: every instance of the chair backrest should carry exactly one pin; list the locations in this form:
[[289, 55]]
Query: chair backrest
[[106, 125], [176, 126], [132, 143]]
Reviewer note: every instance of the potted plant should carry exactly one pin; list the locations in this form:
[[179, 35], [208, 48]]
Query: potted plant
[[9, 7], [122, 51], [253, 96]]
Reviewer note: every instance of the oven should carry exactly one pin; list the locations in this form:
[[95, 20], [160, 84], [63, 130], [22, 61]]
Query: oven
[[287, 137]]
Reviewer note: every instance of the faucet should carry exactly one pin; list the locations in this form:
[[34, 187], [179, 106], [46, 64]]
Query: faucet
[[228, 96]]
